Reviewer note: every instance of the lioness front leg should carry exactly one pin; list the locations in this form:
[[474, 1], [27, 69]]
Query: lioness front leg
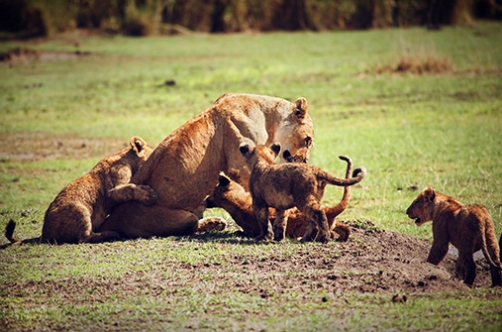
[[130, 191]]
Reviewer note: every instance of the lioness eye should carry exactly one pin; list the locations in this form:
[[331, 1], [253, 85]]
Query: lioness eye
[[308, 141]]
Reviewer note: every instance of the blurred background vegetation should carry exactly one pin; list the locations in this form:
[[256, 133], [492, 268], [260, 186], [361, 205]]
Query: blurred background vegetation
[[34, 18]]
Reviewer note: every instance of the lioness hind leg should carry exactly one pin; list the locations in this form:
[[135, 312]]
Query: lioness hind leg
[[128, 192], [100, 237], [134, 220]]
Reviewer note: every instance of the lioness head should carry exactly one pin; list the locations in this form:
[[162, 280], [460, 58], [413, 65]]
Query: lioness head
[[422, 207], [259, 153], [296, 132]]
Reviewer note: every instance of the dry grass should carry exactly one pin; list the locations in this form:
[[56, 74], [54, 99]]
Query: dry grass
[[419, 64]]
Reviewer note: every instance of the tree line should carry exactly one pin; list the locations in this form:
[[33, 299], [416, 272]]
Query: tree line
[[28, 18]]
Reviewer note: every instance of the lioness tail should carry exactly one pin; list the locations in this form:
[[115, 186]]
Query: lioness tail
[[9, 234]]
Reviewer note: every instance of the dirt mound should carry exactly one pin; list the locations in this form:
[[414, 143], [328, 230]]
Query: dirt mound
[[373, 260], [390, 261], [21, 55]]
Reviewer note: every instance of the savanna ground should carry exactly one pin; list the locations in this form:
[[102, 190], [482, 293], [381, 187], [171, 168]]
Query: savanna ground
[[61, 112]]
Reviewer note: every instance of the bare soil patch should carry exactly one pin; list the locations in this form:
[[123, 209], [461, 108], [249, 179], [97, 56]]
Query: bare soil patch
[[372, 261], [40, 145], [21, 55]]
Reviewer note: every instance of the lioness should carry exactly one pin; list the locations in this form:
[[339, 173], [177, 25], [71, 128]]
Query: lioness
[[468, 227], [283, 186], [82, 206], [184, 168], [232, 197]]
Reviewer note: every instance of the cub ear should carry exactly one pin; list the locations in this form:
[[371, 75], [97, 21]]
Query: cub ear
[[223, 180], [244, 149], [137, 143], [429, 194], [301, 108], [276, 147]]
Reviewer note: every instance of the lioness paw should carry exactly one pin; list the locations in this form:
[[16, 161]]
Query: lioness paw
[[211, 224]]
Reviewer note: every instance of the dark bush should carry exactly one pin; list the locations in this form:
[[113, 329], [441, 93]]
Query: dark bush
[[146, 17]]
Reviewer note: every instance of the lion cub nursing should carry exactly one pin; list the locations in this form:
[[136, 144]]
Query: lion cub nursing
[[232, 197], [467, 227], [81, 207], [283, 186]]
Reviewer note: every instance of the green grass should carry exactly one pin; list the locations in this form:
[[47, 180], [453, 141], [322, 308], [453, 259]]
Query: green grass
[[407, 130]]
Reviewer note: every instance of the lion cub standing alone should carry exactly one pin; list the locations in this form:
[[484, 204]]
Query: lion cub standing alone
[[468, 227], [82, 206], [283, 186]]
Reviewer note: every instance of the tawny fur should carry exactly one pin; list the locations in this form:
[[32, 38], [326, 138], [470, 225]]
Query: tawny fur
[[232, 197], [467, 227], [184, 168], [82, 206], [283, 186]]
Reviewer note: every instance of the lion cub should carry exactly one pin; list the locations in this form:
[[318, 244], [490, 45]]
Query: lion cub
[[283, 186], [232, 197], [468, 227], [82, 206]]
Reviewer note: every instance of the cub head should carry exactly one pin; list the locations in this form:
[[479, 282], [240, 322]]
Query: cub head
[[302, 156], [225, 191], [422, 207], [140, 148], [259, 153], [296, 132]]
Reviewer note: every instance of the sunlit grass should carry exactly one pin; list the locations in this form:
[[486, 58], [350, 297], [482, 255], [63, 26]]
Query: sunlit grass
[[409, 131]]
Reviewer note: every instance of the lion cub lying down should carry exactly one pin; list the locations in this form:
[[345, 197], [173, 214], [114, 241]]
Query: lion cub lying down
[[232, 197], [468, 227], [283, 186], [82, 206]]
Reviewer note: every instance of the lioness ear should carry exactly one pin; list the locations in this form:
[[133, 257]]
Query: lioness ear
[[301, 107], [276, 147], [429, 194], [137, 143], [244, 148]]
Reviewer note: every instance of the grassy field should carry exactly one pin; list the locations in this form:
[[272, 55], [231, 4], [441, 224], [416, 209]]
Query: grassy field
[[59, 117]]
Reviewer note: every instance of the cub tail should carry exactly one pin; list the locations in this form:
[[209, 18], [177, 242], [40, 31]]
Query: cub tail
[[334, 211], [357, 176]]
